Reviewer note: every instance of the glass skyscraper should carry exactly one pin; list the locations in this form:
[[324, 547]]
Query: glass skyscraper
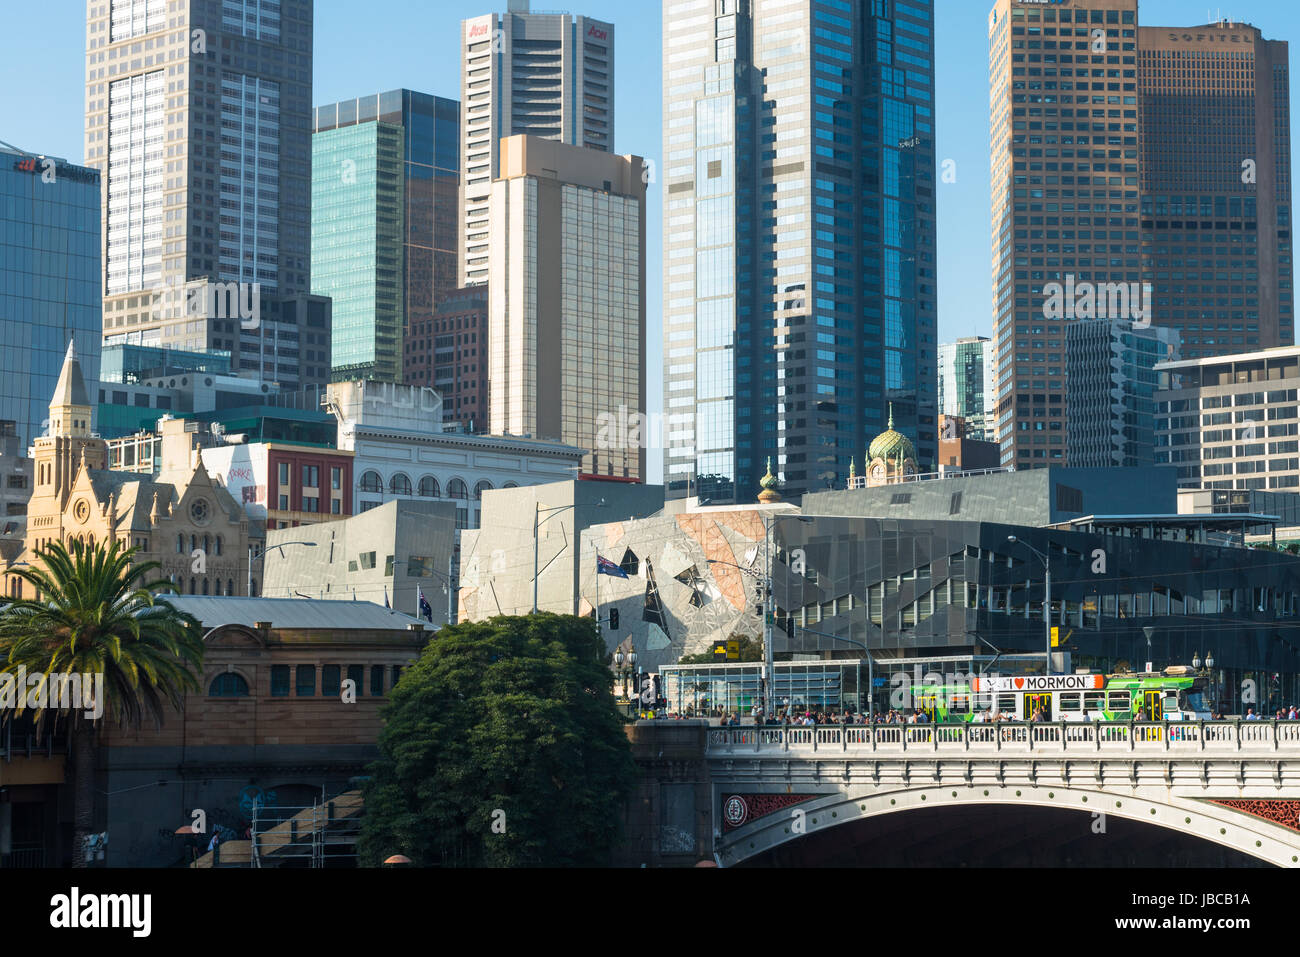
[[386, 179], [49, 281], [799, 239], [968, 387]]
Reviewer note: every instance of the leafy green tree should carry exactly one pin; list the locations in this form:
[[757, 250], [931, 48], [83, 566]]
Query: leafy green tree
[[97, 613], [750, 650], [502, 747]]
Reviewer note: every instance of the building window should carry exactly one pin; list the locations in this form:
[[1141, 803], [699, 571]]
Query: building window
[[397, 675], [284, 503], [306, 681], [279, 681], [357, 675], [310, 504], [228, 685], [458, 490], [377, 681], [336, 479], [372, 482], [311, 476], [330, 680], [336, 506], [400, 485], [428, 487], [480, 488]]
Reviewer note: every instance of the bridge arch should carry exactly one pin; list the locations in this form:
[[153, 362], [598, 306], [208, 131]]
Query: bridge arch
[[1188, 816]]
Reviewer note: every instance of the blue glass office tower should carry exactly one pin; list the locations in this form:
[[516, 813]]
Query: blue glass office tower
[[49, 281], [799, 239]]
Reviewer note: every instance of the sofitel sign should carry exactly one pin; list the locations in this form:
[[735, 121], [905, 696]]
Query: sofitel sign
[[1219, 37]]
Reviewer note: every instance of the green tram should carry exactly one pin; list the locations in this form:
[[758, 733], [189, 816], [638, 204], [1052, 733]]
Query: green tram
[[1176, 695]]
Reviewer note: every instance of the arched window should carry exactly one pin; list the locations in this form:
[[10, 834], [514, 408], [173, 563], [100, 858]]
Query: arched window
[[429, 487], [372, 482], [194, 544], [206, 586], [480, 488], [207, 544], [193, 586], [218, 545], [510, 485], [228, 685], [180, 544], [230, 586], [457, 489], [400, 485]]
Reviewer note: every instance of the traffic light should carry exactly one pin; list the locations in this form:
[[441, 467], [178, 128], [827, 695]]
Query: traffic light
[[613, 619]]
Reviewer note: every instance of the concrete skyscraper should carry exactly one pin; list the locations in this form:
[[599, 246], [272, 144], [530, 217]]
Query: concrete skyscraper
[[198, 117], [567, 302], [799, 239], [1216, 185], [549, 75], [1139, 174]]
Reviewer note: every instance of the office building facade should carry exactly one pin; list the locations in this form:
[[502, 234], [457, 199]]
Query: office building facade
[[549, 75], [357, 248], [1110, 391], [1139, 174], [567, 302], [967, 385], [799, 239], [386, 180], [1216, 185], [206, 195], [1070, 215], [49, 288], [1231, 422], [448, 352]]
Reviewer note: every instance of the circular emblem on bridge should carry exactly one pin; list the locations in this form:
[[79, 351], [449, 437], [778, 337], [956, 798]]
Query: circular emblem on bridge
[[735, 810]]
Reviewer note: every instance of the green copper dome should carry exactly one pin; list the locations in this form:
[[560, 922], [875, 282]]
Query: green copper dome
[[888, 445]]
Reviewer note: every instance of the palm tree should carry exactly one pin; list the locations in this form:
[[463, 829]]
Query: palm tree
[[95, 613]]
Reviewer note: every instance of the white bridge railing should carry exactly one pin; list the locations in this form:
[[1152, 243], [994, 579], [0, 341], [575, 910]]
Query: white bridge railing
[[1223, 737]]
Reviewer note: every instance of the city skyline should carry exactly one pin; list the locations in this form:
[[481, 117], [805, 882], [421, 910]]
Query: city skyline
[[353, 58]]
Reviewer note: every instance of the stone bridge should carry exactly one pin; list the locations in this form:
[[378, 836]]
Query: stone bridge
[[1235, 784]]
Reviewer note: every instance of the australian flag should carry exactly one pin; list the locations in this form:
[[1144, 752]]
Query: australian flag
[[426, 610], [605, 567]]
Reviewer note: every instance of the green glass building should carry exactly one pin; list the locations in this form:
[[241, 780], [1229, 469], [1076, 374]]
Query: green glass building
[[357, 246]]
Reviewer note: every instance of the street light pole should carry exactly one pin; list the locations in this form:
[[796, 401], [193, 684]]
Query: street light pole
[[1047, 604], [265, 551]]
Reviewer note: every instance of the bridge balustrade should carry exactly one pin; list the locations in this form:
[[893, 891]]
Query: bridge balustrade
[[1097, 736]]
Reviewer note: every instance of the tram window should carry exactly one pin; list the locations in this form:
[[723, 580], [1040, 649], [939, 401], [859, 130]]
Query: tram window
[[1120, 701], [960, 704], [1006, 702], [1094, 701], [1070, 701]]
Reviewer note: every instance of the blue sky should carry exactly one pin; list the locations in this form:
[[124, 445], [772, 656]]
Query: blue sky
[[386, 44]]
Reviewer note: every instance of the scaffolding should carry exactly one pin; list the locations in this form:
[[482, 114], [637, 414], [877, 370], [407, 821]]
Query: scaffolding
[[323, 835]]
